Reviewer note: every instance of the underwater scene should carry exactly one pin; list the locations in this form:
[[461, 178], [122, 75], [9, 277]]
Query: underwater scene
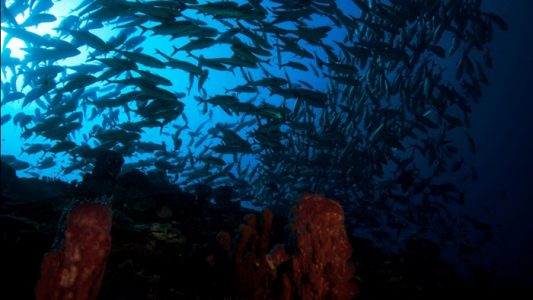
[[266, 149]]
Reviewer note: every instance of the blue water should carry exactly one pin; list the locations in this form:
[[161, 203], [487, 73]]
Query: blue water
[[502, 125]]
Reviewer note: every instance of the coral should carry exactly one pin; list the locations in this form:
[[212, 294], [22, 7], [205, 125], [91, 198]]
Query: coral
[[266, 228], [277, 256], [253, 275], [102, 179], [8, 175], [135, 179], [76, 269], [224, 243], [223, 196], [203, 193], [108, 165], [164, 232], [319, 267], [313, 265]]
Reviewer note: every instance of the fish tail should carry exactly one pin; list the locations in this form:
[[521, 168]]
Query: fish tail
[[143, 29], [175, 50]]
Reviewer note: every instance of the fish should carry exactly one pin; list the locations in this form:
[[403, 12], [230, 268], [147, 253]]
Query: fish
[[223, 9], [498, 20], [87, 38], [34, 148], [154, 78], [180, 64], [46, 163], [40, 6], [61, 132], [143, 59], [295, 65], [19, 165], [181, 28], [12, 97], [37, 18], [36, 55], [356, 98], [117, 135], [6, 118], [212, 160], [61, 147], [133, 42], [78, 81], [200, 43]]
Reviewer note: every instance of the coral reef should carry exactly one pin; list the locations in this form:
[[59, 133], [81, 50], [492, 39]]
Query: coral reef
[[76, 269], [223, 196], [254, 277], [253, 274], [203, 193], [102, 179], [135, 179], [319, 266], [8, 175], [107, 166], [313, 265], [163, 256]]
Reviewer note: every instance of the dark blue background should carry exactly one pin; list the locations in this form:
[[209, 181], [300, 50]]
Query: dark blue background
[[502, 125]]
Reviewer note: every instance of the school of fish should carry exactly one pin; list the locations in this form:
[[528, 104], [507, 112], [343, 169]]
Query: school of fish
[[376, 134]]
